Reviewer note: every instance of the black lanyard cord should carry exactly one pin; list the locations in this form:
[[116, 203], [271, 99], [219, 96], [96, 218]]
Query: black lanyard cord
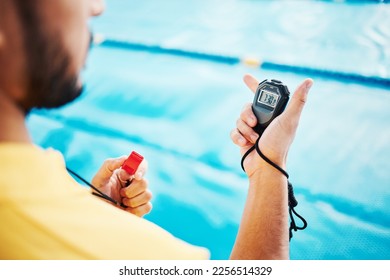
[[292, 202], [97, 191]]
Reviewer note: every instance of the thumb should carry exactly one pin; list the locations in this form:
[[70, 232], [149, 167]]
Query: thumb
[[109, 166], [297, 102]]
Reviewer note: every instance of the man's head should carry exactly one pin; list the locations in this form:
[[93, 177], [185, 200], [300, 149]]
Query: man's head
[[43, 47]]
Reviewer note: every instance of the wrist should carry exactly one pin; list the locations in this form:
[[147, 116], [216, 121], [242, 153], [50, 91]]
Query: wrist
[[270, 162], [261, 161], [263, 167], [254, 159], [277, 157]]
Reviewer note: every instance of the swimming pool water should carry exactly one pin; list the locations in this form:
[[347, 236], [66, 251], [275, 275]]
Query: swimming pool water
[[178, 113]]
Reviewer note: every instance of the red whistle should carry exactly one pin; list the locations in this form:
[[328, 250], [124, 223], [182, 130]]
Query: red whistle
[[132, 162]]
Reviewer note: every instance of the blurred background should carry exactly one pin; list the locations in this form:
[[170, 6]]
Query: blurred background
[[166, 81]]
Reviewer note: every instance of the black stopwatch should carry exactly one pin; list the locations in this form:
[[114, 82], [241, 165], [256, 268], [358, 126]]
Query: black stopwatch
[[271, 98]]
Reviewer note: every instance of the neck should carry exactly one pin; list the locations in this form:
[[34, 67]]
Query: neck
[[12, 122]]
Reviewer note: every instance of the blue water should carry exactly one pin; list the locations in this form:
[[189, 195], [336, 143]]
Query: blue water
[[178, 113]]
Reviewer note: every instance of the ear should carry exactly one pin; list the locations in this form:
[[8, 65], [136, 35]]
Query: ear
[[1, 39]]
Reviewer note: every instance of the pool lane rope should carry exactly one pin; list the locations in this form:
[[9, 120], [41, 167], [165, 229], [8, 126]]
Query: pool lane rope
[[375, 81]]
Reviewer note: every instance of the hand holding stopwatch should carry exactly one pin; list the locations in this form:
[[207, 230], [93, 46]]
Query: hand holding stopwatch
[[270, 100]]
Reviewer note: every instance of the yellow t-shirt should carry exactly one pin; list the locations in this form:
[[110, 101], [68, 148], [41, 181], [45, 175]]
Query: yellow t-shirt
[[45, 214]]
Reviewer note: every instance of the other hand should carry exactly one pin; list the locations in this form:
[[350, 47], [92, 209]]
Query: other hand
[[113, 181]]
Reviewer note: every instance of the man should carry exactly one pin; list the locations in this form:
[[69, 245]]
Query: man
[[46, 215]]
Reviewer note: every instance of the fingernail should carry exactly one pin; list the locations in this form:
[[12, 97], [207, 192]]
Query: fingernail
[[308, 85], [241, 141]]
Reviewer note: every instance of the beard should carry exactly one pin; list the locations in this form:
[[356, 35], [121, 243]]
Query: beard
[[50, 83]]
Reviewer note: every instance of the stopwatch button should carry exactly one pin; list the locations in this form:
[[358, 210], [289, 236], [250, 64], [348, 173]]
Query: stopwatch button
[[276, 81]]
